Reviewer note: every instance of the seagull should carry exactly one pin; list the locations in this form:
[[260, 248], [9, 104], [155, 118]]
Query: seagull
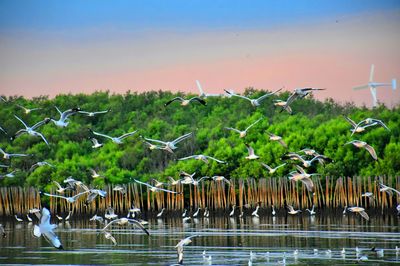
[[31, 130], [91, 114], [357, 128], [4, 166], [97, 218], [284, 105], [181, 244], [36, 212], [109, 236], [46, 229], [255, 213], [39, 164], [94, 174], [277, 138], [201, 157], [173, 182], [68, 216], [2, 231], [360, 211], [221, 179], [368, 194], [68, 199], [156, 189], [93, 193], [272, 170], [299, 93], [185, 102], [62, 122], [9, 175], [161, 212], [125, 221], [379, 252], [29, 218], [233, 211], [110, 214], [292, 211], [243, 133], [72, 183], [157, 183], [28, 110], [121, 189], [117, 140], [132, 211], [184, 213], [203, 94], [362, 144], [303, 177], [61, 189], [188, 179], [17, 218], [344, 210], [152, 146], [171, 145], [307, 163], [254, 102], [312, 212], [387, 189], [370, 122], [206, 213], [251, 155], [96, 143]]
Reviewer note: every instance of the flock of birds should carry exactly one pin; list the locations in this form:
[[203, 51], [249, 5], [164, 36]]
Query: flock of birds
[[305, 159]]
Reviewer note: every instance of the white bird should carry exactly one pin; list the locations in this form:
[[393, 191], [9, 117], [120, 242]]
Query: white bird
[[29, 218], [284, 105], [96, 143], [62, 122], [299, 93], [307, 163], [125, 221], [302, 176], [272, 170], [184, 213], [9, 175], [292, 211], [362, 144], [97, 218], [72, 183], [254, 102], [197, 212], [61, 189], [252, 155], [8, 156], [27, 110], [31, 130], [185, 102], [387, 189], [157, 183], [360, 211], [273, 211], [358, 128], [370, 122], [170, 146], [46, 229], [109, 236], [93, 193], [121, 189], [201, 157], [344, 210], [132, 211], [277, 138], [68, 216], [188, 179], [156, 189], [91, 114], [161, 212], [94, 174], [206, 213], [343, 252], [110, 214], [71, 199], [17, 218], [312, 212], [59, 217], [173, 182], [219, 178], [179, 247], [379, 252], [255, 213], [233, 211], [117, 140], [40, 164], [243, 133], [368, 194]]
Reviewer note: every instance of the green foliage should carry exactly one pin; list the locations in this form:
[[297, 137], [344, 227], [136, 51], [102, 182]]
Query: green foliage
[[314, 124]]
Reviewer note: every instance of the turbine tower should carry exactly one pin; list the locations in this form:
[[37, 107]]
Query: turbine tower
[[373, 86]]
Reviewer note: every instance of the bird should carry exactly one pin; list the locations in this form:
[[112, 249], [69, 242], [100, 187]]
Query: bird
[[201, 157], [292, 211], [97, 218], [185, 102], [170, 146], [307, 163], [302, 176], [132, 211], [68, 216], [109, 236], [370, 122], [61, 189], [344, 210], [179, 247], [206, 213], [273, 211], [28, 110], [110, 213], [121, 189], [9, 175], [252, 155], [153, 146], [299, 93], [272, 170], [368, 194], [219, 178], [197, 212], [73, 184], [188, 179], [243, 133], [255, 212], [184, 213], [93, 193], [160, 213], [254, 102], [357, 128], [117, 140], [362, 144], [71, 199], [94, 174], [17, 218], [277, 138], [172, 181], [157, 183], [31, 130], [284, 105], [125, 221], [91, 114], [39, 164], [233, 211], [156, 189], [29, 218], [312, 212], [62, 122], [96, 143], [387, 189], [47, 230], [360, 211], [2, 231], [379, 252]]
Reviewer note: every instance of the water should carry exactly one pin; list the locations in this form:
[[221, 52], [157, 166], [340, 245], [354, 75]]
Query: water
[[228, 241]]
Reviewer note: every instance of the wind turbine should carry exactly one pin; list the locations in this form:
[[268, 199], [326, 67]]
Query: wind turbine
[[373, 86]]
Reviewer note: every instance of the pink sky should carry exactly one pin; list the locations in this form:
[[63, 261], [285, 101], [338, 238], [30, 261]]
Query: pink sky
[[335, 56]]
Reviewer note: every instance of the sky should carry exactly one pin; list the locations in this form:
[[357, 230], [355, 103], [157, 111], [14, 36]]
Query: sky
[[52, 47]]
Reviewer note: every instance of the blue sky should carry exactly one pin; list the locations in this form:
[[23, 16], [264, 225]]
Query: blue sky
[[179, 15]]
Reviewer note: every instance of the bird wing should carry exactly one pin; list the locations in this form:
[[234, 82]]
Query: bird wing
[[364, 215], [266, 166], [282, 143], [291, 98], [215, 159], [55, 196], [40, 123], [127, 134], [234, 129], [102, 135], [68, 113], [250, 149], [138, 224], [290, 207], [351, 122], [169, 191], [309, 183], [253, 124], [2, 129], [187, 157], [58, 110], [137, 181], [53, 239], [199, 87], [267, 95], [174, 99], [43, 138], [240, 96], [380, 123], [300, 169], [203, 102], [57, 184], [177, 140], [156, 140], [371, 150], [21, 121]]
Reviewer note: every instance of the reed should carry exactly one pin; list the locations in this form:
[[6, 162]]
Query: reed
[[329, 193]]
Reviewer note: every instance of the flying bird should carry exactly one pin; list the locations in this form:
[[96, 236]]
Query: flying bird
[[27, 110], [254, 102], [252, 155], [8, 156], [62, 122], [302, 176], [203, 94], [96, 143], [299, 93], [360, 211], [40, 164], [362, 144], [277, 138], [292, 210], [156, 189], [284, 105], [185, 102], [92, 114], [201, 157], [125, 221], [31, 130], [47, 230], [179, 247], [170, 146], [117, 140], [243, 133], [3, 130], [219, 178], [71, 199], [272, 170]]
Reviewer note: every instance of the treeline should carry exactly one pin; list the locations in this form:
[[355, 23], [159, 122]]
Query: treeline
[[313, 124]]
